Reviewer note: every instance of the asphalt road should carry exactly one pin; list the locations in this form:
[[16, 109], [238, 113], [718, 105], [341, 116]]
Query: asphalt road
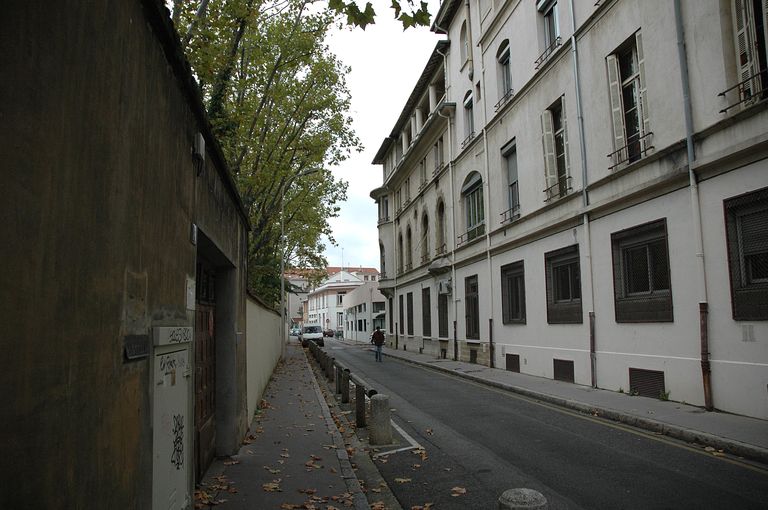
[[486, 440]]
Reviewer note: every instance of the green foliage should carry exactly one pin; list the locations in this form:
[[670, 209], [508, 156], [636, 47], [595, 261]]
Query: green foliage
[[278, 103], [410, 16]]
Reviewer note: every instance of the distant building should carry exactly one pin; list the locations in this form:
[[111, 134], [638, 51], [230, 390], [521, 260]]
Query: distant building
[[363, 312], [547, 207]]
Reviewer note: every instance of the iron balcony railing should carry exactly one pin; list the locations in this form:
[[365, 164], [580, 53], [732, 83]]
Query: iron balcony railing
[[752, 90], [440, 249], [506, 97], [472, 233], [423, 184], [408, 266], [559, 189], [468, 139], [438, 168], [424, 258], [511, 214], [548, 52], [383, 219], [637, 148]]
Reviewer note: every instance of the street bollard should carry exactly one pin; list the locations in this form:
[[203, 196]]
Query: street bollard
[[345, 386], [522, 499], [338, 380], [359, 405], [380, 429], [331, 369]]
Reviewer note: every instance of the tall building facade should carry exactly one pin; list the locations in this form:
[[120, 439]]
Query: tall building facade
[[578, 190]]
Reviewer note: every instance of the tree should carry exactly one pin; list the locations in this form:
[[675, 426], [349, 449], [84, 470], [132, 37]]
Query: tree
[[278, 103]]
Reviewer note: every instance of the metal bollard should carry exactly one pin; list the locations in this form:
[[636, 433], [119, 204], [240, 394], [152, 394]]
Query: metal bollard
[[345, 386], [359, 405], [522, 499], [380, 429]]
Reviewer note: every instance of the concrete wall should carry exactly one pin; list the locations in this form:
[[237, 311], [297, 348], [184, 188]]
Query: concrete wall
[[100, 191], [263, 348]]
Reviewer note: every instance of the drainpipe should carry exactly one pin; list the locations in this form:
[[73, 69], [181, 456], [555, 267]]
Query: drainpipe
[[453, 209], [695, 212], [585, 201]]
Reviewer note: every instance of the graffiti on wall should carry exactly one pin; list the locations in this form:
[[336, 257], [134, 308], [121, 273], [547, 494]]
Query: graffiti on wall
[[177, 456]]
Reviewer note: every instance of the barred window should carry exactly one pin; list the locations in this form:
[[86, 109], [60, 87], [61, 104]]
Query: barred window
[[442, 315], [746, 219], [409, 305], [563, 281], [402, 326], [472, 304], [426, 312], [513, 293], [642, 290]]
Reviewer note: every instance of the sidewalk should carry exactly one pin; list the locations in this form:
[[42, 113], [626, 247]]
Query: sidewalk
[[738, 435], [294, 456]]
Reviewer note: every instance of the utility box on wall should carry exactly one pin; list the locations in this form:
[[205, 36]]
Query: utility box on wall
[[171, 423]]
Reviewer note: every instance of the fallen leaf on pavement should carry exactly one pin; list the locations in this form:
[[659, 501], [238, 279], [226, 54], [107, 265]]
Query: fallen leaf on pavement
[[458, 491], [429, 431], [273, 486], [272, 470], [231, 462], [402, 480], [378, 505]]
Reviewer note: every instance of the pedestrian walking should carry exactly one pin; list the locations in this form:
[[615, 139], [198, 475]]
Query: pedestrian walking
[[377, 339]]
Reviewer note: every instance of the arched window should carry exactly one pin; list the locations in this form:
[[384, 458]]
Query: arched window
[[469, 117], [408, 249], [424, 238], [400, 253], [472, 197], [463, 43], [505, 74], [440, 234]]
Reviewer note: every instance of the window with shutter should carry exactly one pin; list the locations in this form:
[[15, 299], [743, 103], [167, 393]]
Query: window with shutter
[[629, 103], [746, 220], [513, 293], [563, 286]]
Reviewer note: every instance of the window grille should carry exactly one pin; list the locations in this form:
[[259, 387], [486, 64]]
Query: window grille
[[563, 286]]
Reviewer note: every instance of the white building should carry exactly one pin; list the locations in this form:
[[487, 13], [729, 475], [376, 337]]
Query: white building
[[537, 189], [363, 312], [325, 303]]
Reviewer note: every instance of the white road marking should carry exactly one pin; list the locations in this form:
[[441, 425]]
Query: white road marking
[[414, 444]]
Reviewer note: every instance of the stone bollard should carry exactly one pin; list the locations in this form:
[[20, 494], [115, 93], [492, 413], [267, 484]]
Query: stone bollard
[[338, 380], [359, 405], [345, 386], [380, 429], [522, 499], [331, 369]]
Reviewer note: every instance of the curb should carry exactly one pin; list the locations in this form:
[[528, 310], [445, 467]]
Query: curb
[[734, 447], [347, 473]]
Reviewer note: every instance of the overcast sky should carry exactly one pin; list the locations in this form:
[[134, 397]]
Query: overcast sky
[[385, 62]]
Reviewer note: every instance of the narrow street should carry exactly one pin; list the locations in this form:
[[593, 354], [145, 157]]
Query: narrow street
[[486, 441]]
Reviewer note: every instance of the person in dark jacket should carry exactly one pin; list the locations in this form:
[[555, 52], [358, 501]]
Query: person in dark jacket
[[378, 340]]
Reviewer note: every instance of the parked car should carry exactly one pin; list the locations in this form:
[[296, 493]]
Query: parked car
[[312, 333], [328, 332], [295, 331]]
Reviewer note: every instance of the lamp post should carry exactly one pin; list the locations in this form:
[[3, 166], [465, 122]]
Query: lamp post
[[283, 339]]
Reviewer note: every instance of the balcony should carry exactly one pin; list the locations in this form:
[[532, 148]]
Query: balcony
[[383, 219], [472, 233], [425, 258], [510, 214], [438, 168], [559, 189], [408, 266], [423, 184], [467, 140], [441, 250], [547, 53], [637, 148], [504, 99], [750, 91]]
